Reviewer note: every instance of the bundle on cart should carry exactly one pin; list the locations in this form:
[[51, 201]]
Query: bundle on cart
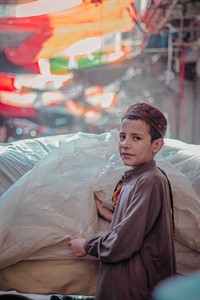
[[47, 197]]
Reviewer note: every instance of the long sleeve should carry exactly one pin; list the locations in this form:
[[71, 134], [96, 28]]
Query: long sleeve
[[129, 230]]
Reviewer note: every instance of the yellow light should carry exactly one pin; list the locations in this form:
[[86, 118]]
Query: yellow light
[[115, 56], [18, 99], [44, 66], [103, 100], [91, 115], [107, 100], [41, 7], [41, 81], [74, 108], [33, 81], [33, 133], [84, 46], [50, 98]]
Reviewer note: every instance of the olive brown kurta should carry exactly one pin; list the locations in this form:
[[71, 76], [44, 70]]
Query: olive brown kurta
[[138, 250]]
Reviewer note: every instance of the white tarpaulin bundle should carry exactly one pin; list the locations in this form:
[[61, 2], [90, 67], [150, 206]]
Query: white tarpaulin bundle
[[54, 201]]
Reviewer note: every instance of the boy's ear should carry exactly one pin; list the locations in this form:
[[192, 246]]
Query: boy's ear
[[157, 145]]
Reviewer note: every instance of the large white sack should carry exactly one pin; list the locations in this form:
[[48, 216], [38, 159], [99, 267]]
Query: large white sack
[[19, 157], [185, 158], [54, 200]]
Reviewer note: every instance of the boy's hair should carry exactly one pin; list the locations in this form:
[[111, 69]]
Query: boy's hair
[[151, 115], [152, 131]]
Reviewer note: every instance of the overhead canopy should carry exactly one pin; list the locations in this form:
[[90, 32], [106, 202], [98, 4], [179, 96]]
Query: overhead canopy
[[27, 39]]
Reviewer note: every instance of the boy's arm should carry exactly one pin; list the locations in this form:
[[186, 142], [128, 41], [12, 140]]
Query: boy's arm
[[77, 245], [104, 212]]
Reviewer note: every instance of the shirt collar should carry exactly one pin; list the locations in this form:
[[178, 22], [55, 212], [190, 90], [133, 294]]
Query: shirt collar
[[139, 169]]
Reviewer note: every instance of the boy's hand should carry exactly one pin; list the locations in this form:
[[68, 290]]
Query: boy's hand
[[77, 246]]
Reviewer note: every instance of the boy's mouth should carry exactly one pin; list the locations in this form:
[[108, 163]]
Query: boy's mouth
[[124, 154]]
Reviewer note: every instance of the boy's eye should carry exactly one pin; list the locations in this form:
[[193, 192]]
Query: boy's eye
[[122, 137], [136, 138]]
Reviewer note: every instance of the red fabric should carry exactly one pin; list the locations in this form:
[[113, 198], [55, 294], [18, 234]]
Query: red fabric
[[26, 53], [7, 83], [17, 112]]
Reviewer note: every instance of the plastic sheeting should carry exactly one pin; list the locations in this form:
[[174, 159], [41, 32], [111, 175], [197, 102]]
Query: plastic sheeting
[[19, 157], [53, 200]]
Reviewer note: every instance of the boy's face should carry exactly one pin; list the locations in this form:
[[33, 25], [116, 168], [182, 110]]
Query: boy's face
[[135, 144]]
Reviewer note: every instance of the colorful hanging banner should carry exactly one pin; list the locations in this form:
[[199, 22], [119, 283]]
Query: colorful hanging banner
[[47, 35]]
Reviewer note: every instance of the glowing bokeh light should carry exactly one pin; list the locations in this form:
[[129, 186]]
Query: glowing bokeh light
[[41, 7]]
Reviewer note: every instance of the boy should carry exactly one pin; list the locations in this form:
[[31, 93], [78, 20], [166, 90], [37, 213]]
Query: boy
[[138, 251]]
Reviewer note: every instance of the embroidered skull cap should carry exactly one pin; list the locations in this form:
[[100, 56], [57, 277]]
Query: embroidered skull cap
[[149, 114]]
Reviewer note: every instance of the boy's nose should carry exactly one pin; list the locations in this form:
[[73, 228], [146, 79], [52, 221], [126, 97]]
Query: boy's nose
[[125, 144]]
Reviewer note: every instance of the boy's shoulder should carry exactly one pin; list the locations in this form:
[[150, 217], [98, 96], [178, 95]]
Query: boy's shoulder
[[148, 173], [154, 175]]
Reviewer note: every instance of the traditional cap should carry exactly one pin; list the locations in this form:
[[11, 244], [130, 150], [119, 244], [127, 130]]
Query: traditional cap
[[149, 114]]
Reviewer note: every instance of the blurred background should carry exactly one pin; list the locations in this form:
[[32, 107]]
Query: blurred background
[[70, 65]]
